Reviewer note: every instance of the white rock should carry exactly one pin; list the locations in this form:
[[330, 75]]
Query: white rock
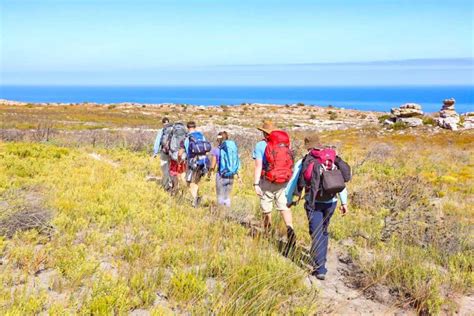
[[413, 106], [411, 121], [449, 122], [388, 122], [468, 121]]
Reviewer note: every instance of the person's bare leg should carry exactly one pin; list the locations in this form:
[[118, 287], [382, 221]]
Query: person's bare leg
[[287, 218], [182, 178], [193, 188], [267, 222]]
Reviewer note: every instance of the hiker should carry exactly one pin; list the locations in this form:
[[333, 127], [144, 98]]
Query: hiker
[[323, 176], [172, 137], [225, 161], [164, 157], [273, 169], [195, 148]]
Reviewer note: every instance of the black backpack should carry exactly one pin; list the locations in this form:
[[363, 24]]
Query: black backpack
[[322, 184], [333, 181]]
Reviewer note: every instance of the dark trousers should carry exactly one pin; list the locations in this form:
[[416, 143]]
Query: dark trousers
[[319, 216]]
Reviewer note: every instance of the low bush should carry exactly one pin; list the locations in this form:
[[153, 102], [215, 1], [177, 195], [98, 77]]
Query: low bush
[[429, 120], [384, 117]]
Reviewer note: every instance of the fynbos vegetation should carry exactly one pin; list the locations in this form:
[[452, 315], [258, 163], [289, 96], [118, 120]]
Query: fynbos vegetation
[[83, 232]]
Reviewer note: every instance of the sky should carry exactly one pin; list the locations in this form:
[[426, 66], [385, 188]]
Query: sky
[[259, 42]]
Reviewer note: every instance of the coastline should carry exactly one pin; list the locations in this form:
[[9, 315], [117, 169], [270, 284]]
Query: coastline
[[370, 98]]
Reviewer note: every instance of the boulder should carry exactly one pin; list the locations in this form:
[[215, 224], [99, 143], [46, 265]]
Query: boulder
[[408, 114], [410, 121], [388, 122], [449, 122], [449, 118], [407, 110], [412, 106], [448, 113], [468, 119], [449, 102]]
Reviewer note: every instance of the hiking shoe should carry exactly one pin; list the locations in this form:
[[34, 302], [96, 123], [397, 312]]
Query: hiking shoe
[[320, 276]]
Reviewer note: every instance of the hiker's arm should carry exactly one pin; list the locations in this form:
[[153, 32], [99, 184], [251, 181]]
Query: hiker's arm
[[257, 171], [301, 182], [213, 166], [256, 176], [181, 153], [156, 147], [183, 149], [343, 196], [213, 163], [343, 199]]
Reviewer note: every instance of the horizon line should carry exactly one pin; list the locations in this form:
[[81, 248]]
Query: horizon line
[[369, 62]]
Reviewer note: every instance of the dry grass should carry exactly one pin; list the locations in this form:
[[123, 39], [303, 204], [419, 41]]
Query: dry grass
[[123, 244]]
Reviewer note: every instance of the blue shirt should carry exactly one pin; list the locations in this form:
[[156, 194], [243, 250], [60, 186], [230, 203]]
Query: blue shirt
[[259, 151], [216, 152], [157, 146]]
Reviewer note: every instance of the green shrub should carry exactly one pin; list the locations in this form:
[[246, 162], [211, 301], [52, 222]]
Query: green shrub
[[332, 115], [187, 286], [428, 120], [384, 117], [108, 296], [398, 126]]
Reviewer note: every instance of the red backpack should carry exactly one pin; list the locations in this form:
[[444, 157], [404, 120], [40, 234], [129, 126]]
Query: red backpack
[[279, 158]]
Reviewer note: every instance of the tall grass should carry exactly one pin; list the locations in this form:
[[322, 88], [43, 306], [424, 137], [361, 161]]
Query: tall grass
[[121, 243]]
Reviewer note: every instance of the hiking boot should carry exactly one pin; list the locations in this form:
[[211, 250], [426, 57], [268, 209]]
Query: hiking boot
[[320, 276]]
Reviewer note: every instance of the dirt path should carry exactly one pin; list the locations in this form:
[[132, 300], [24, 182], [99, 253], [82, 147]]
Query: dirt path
[[337, 295], [341, 299]]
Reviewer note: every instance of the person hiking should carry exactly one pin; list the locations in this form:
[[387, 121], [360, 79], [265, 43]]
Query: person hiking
[[164, 157], [323, 176], [273, 169], [226, 162], [172, 137], [195, 148]]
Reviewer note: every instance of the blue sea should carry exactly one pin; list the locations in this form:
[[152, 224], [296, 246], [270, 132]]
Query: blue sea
[[360, 98]]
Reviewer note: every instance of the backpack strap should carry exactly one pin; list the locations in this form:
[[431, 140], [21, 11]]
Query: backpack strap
[[313, 186], [344, 167]]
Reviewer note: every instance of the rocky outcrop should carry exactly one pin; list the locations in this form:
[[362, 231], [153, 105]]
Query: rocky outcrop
[[10, 103], [448, 117], [407, 110], [468, 120], [408, 114]]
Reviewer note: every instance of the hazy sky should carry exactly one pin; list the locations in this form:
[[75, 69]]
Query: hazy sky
[[236, 42]]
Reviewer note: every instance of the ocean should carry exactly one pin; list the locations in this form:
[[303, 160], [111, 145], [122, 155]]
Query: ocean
[[360, 98]]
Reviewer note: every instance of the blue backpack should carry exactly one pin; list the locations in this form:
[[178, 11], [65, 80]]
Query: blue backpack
[[229, 162], [198, 146]]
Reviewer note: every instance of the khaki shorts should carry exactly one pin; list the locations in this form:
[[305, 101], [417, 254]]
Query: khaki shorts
[[273, 192]]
